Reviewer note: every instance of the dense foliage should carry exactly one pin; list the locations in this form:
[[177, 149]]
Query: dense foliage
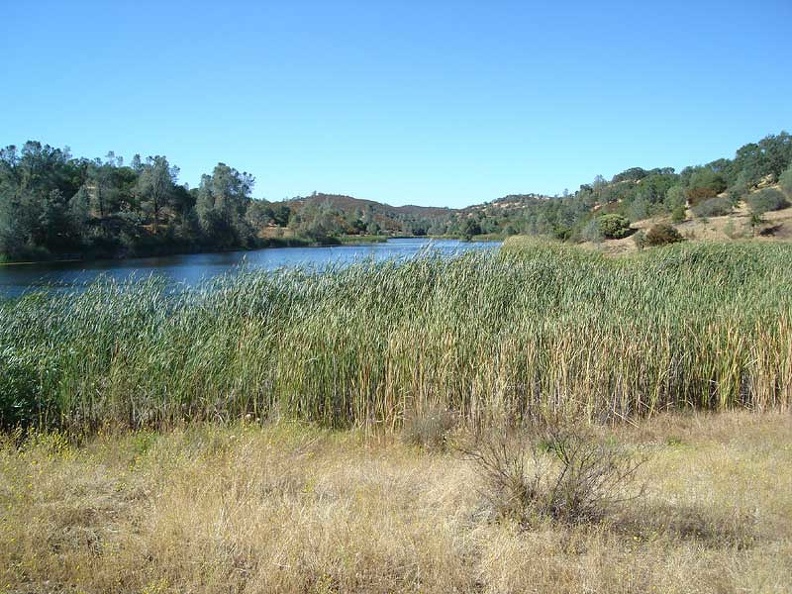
[[54, 205], [613, 226], [489, 336], [716, 206]]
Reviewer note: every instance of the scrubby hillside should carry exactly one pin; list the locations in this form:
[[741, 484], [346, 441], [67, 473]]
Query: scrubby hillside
[[756, 182]]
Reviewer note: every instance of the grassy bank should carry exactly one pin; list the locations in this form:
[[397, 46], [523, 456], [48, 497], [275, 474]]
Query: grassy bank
[[362, 239], [490, 337], [296, 509]]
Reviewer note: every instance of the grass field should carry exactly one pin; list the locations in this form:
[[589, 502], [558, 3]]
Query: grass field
[[305, 432], [292, 508]]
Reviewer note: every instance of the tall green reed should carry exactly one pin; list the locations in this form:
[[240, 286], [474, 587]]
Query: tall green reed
[[492, 337]]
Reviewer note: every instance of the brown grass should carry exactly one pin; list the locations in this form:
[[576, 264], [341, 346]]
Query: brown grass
[[776, 226], [290, 508]]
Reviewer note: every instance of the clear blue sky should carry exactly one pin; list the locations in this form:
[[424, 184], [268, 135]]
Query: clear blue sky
[[445, 103]]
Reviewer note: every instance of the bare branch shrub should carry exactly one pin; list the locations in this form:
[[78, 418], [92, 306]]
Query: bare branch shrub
[[560, 472]]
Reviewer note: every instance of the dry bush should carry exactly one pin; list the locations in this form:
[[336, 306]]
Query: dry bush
[[429, 430], [713, 207], [662, 234], [559, 472]]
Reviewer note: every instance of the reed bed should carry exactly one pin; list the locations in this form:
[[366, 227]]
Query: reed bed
[[491, 337]]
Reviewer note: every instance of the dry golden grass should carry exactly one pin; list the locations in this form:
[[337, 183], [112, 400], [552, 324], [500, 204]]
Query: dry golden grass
[[776, 225], [289, 508]]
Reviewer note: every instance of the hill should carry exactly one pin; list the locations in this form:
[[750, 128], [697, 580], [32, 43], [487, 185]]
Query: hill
[[759, 178], [739, 224], [351, 215]]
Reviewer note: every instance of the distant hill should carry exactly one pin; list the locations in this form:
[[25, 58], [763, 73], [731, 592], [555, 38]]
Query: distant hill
[[359, 215], [487, 217], [350, 204]]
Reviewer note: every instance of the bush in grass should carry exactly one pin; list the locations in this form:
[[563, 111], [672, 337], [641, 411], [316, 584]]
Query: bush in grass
[[713, 207], [662, 234], [766, 200], [640, 240], [428, 430], [559, 472], [613, 226]]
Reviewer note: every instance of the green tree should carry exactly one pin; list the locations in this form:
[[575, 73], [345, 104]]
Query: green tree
[[221, 204], [259, 214], [766, 200], [155, 188], [704, 183], [471, 227], [34, 185]]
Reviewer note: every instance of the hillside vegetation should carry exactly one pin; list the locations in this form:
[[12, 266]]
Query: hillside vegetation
[[54, 205]]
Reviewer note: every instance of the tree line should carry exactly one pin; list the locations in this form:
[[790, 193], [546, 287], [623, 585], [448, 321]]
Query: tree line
[[53, 205]]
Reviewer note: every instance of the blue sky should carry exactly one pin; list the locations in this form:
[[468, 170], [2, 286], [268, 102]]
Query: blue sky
[[420, 102]]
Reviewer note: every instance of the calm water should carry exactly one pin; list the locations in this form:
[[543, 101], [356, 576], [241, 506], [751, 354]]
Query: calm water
[[191, 269]]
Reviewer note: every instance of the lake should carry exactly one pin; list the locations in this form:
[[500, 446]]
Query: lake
[[191, 269]]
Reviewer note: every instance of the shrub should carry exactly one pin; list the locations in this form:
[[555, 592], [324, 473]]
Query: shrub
[[640, 240], [766, 200], [678, 215], [429, 430], [662, 234], [713, 207], [591, 232], [560, 472], [785, 181], [613, 226]]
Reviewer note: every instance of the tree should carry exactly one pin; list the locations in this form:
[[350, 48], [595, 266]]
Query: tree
[[34, 185], [766, 200], [55, 231], [776, 153], [103, 188], [318, 221], [221, 203], [471, 227], [156, 188], [633, 174], [704, 183], [767, 158], [259, 214]]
